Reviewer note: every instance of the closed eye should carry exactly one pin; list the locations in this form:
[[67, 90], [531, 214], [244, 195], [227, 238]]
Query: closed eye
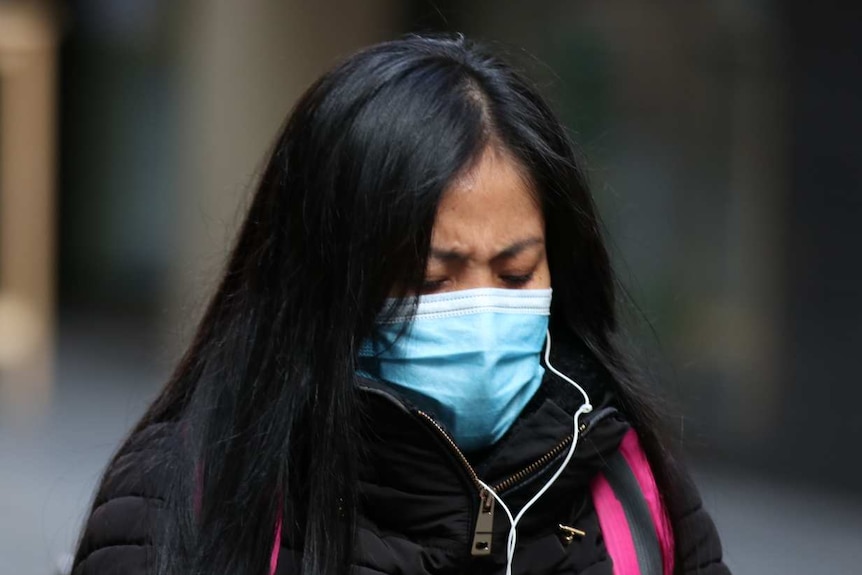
[[517, 280], [431, 286]]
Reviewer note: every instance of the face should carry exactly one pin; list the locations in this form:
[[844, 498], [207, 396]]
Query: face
[[489, 232]]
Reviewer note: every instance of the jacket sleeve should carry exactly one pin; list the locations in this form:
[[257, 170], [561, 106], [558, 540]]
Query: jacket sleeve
[[697, 541], [129, 507]]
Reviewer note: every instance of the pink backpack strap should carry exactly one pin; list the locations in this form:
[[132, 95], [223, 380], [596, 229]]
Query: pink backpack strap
[[634, 523], [276, 546]]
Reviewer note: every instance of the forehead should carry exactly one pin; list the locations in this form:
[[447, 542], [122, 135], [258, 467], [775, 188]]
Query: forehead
[[492, 204]]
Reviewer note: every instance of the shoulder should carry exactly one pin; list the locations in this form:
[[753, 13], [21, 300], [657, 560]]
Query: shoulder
[[130, 504]]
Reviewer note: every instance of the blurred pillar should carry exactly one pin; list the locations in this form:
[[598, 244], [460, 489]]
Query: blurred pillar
[[749, 328], [244, 65], [27, 158]]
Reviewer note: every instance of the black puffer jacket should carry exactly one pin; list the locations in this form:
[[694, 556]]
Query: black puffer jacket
[[420, 500]]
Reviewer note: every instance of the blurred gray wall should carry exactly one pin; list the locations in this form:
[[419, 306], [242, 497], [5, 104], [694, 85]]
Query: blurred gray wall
[[719, 137], [820, 396]]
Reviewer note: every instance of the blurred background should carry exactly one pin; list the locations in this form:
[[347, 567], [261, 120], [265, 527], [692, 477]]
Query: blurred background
[[722, 141]]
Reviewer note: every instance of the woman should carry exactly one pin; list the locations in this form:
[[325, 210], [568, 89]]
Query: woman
[[383, 382]]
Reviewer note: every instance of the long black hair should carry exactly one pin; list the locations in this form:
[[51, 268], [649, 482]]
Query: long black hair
[[341, 219]]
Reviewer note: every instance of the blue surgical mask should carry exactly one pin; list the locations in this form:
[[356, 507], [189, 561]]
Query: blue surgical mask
[[469, 358]]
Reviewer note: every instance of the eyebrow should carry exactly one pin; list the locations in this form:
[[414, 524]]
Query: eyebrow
[[506, 253]]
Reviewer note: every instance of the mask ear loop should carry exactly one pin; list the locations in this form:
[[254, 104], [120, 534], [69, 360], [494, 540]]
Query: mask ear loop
[[513, 521]]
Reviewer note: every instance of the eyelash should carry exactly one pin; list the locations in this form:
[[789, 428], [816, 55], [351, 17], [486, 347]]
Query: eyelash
[[517, 280], [431, 286]]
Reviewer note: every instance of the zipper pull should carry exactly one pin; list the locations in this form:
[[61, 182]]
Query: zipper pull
[[484, 533]]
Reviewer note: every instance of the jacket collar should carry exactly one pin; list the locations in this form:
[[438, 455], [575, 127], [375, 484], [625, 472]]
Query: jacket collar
[[400, 437]]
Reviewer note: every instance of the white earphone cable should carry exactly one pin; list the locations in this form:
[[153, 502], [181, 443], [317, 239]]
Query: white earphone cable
[[513, 521]]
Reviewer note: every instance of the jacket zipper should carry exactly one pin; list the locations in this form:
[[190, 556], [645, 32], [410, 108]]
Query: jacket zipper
[[516, 478], [460, 454], [483, 532]]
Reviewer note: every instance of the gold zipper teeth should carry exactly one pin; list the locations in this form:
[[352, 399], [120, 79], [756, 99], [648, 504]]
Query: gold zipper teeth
[[458, 452], [532, 468], [512, 479]]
